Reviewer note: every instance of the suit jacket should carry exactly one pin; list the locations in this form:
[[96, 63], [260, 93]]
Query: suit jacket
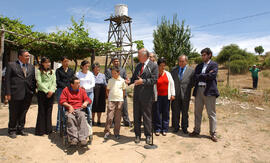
[[17, 85], [183, 87], [145, 91], [210, 78]]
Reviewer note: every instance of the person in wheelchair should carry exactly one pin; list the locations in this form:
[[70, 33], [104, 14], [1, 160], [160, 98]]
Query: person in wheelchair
[[75, 101]]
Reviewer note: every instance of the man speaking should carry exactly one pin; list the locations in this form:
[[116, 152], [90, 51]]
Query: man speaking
[[144, 78]]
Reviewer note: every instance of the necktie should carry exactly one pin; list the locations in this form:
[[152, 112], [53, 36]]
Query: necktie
[[142, 69], [181, 73], [24, 69]]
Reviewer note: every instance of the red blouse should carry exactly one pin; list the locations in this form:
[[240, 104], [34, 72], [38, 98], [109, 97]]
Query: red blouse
[[162, 85]]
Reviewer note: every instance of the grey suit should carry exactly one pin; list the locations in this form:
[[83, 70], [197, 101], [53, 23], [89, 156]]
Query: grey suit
[[143, 97], [182, 96]]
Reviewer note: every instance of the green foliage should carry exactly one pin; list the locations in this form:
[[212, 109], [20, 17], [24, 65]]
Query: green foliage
[[198, 60], [74, 42], [266, 63], [238, 59], [136, 60], [259, 50], [139, 44], [171, 39], [239, 66]]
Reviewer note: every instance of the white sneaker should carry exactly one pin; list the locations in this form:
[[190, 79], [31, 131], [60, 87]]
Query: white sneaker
[[106, 135]]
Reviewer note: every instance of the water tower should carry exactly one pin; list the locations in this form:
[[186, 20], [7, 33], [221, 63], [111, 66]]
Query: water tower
[[120, 35]]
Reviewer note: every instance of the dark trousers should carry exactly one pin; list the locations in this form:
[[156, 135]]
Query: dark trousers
[[44, 118], [255, 82], [161, 114], [17, 113], [125, 112], [142, 109], [180, 106]]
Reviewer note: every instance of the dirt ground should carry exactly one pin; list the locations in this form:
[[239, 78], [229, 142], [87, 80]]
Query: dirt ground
[[243, 137]]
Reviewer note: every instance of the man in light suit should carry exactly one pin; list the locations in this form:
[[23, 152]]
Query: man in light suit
[[205, 93], [183, 77], [144, 78], [20, 87]]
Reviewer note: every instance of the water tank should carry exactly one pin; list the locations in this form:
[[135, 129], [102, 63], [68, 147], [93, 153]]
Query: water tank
[[121, 9]]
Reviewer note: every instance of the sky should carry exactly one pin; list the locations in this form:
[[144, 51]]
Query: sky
[[209, 20]]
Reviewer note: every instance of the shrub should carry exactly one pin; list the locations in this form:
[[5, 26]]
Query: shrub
[[239, 66], [267, 62]]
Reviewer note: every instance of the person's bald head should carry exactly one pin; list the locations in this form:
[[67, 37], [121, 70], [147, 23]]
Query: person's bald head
[[143, 55]]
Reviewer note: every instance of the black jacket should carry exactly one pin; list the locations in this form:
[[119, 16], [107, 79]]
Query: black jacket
[[210, 78], [17, 85], [62, 77]]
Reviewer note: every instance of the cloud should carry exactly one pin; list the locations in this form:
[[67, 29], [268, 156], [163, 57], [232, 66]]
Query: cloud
[[89, 12], [201, 40]]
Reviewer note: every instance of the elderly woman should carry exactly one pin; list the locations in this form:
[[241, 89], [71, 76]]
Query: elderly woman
[[164, 91], [99, 103]]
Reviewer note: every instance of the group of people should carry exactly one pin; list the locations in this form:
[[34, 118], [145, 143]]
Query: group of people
[[85, 92]]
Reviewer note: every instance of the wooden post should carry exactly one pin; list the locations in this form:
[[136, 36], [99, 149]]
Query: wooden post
[[2, 39], [228, 75]]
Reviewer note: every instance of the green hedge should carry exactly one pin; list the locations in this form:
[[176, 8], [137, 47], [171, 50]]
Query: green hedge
[[239, 66]]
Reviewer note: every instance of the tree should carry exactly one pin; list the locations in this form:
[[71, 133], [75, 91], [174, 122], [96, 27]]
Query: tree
[[259, 50], [236, 59], [139, 44], [74, 43], [172, 40]]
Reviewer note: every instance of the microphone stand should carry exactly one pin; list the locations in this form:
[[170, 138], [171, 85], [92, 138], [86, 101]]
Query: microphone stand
[[152, 145]]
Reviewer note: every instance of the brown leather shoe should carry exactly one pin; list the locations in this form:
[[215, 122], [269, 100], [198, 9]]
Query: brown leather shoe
[[193, 134], [214, 138]]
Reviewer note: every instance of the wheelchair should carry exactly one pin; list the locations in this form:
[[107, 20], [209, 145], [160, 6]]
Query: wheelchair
[[63, 128]]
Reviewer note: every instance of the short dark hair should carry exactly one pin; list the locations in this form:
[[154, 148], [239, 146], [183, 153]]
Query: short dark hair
[[73, 79], [115, 69], [95, 65], [115, 58], [207, 51], [84, 62], [161, 60], [21, 51], [63, 58]]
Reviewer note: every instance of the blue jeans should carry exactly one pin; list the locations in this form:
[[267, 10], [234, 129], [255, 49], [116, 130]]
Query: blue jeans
[[161, 114], [89, 107], [58, 94]]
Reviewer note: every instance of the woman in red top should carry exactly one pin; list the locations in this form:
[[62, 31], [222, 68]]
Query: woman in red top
[[165, 92]]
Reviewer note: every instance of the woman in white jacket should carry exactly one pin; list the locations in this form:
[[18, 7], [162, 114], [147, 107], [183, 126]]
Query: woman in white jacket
[[164, 93], [87, 82]]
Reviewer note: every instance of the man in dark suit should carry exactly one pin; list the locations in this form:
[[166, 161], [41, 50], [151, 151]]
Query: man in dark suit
[[183, 76], [144, 78], [20, 87], [205, 93], [108, 74]]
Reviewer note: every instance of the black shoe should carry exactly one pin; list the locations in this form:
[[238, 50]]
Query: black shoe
[[185, 131], [98, 123], [22, 133], [148, 139], [137, 139], [12, 135], [128, 124], [94, 123], [117, 137], [194, 134], [175, 130]]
